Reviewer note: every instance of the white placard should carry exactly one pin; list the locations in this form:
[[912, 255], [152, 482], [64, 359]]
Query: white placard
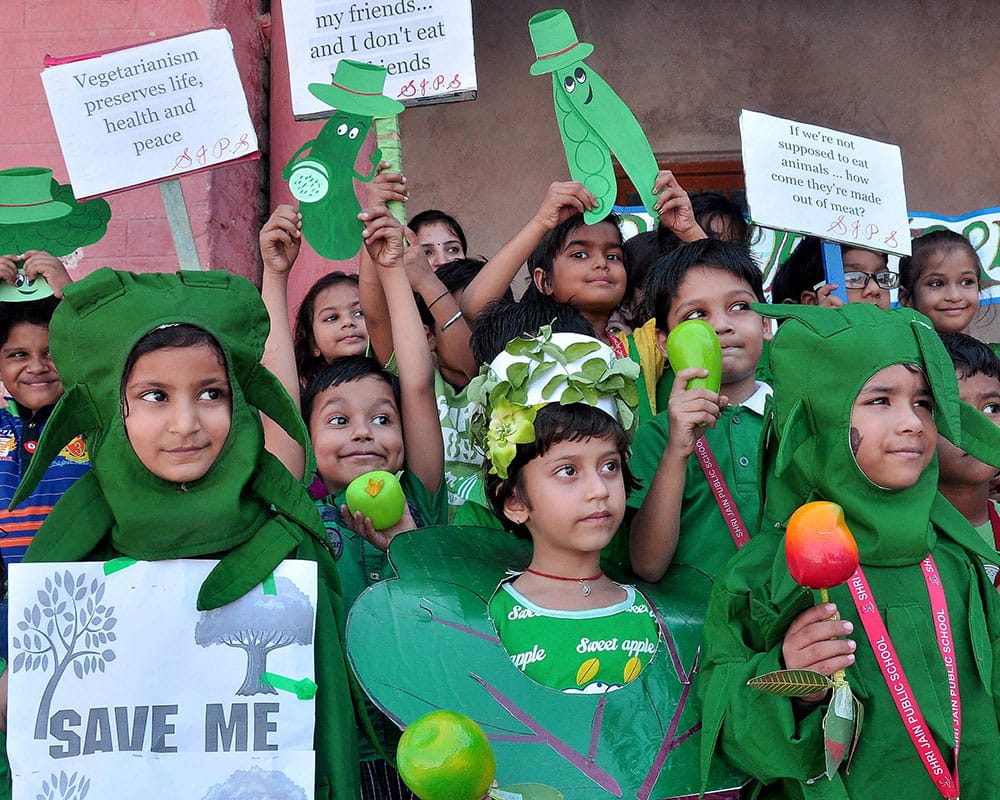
[[118, 680], [150, 112], [425, 45], [827, 183]]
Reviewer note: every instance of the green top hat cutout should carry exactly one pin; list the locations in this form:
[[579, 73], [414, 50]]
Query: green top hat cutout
[[357, 88], [555, 40], [26, 196], [39, 213]]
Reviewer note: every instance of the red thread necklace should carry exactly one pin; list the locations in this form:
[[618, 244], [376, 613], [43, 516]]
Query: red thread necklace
[[584, 582]]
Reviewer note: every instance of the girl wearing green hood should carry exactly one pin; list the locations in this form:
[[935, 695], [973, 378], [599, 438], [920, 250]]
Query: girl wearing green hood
[[170, 408], [924, 654]]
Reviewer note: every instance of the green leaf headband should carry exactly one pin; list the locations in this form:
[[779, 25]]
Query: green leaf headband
[[535, 371]]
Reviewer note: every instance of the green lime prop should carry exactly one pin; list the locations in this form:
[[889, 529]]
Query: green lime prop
[[444, 755], [694, 343], [378, 496]]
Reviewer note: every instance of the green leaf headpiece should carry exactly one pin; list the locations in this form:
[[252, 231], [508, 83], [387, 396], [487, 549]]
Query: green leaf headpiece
[[534, 371]]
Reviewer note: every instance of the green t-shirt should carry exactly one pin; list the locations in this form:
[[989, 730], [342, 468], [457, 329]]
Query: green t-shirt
[[591, 652], [705, 542]]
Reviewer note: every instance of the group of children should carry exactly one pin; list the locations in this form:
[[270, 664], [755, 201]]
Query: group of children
[[577, 434]]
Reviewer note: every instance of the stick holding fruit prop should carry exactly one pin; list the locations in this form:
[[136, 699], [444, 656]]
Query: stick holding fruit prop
[[821, 553]]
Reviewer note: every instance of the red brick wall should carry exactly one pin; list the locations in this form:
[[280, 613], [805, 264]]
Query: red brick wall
[[225, 205]]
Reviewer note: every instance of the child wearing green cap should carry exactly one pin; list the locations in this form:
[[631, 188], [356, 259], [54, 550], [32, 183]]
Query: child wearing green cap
[[170, 409], [923, 618]]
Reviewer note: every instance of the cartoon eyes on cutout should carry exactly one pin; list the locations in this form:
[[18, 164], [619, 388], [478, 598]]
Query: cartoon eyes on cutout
[[22, 281], [580, 75], [354, 133], [341, 129], [569, 84]]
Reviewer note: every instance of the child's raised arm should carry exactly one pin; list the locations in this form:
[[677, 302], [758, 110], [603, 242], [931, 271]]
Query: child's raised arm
[[280, 239], [673, 206], [655, 528], [562, 200], [422, 439]]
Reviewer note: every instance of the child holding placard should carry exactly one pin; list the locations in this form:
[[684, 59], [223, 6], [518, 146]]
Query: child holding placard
[[170, 409]]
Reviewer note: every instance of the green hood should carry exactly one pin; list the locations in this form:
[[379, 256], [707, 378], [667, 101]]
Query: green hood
[[228, 512], [820, 359]]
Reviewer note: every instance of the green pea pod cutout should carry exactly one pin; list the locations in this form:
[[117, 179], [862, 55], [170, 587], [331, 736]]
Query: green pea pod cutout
[[694, 343], [601, 125], [323, 182], [588, 156]]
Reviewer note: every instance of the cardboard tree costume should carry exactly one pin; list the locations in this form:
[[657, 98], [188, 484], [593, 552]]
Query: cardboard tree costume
[[441, 650], [593, 120], [323, 182], [39, 213], [821, 358], [247, 511]]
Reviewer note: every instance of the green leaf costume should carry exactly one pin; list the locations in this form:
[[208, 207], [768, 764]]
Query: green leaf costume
[[820, 359], [247, 511]]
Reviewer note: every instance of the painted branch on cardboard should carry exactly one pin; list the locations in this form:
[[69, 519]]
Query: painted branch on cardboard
[[39, 213], [323, 180], [593, 121], [424, 641]]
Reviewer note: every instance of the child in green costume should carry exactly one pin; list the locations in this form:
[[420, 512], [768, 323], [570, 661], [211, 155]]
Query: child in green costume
[[170, 406], [860, 430]]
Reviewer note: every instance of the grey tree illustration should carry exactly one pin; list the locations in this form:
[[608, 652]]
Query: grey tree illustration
[[259, 623], [68, 625], [64, 787], [256, 784]]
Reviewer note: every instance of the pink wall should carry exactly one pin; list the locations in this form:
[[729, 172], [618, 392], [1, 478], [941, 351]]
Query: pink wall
[[223, 204]]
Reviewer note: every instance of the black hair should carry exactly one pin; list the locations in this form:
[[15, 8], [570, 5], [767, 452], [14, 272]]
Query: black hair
[[802, 270], [34, 312], [668, 273], [708, 207], [307, 363], [432, 215], [501, 321], [347, 369], [923, 248], [555, 423], [971, 356], [543, 256], [455, 275], [181, 335], [641, 252]]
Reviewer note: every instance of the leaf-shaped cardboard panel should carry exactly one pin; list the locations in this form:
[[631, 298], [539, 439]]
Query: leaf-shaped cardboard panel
[[425, 641]]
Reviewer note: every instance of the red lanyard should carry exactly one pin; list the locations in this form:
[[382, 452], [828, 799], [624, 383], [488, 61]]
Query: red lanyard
[[720, 491], [899, 686], [621, 351], [995, 524]]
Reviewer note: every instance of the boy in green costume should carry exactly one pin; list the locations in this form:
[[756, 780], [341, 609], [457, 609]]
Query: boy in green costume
[[239, 505], [861, 431]]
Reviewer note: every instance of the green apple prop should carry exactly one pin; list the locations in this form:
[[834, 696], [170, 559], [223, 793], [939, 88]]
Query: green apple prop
[[378, 496], [444, 755]]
